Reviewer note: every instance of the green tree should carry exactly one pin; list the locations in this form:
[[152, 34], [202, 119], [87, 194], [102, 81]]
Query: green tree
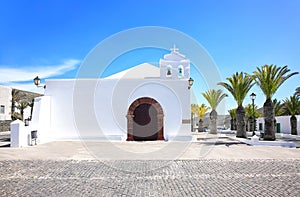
[[251, 113], [232, 113], [278, 108], [269, 78], [202, 109], [16, 115], [214, 97], [292, 107], [22, 105], [31, 104], [297, 92], [239, 85], [15, 98], [194, 111]]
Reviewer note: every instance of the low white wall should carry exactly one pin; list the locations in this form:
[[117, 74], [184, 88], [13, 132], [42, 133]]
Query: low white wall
[[284, 121], [41, 119], [19, 136]]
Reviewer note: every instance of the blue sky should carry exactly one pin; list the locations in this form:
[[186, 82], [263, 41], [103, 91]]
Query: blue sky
[[51, 38]]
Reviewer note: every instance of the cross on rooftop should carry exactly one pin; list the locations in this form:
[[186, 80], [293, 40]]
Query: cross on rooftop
[[174, 49]]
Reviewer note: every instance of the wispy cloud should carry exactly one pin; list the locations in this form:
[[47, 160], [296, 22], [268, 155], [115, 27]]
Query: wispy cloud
[[17, 77], [24, 86], [27, 73]]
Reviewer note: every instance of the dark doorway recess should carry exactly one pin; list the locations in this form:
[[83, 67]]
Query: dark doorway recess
[[145, 120]]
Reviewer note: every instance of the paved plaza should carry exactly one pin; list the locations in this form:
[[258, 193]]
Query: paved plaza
[[212, 166], [150, 178]]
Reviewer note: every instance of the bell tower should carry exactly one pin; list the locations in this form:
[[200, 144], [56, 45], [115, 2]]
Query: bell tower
[[174, 65]]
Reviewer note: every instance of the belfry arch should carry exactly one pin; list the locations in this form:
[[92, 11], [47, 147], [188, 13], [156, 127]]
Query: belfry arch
[[145, 120]]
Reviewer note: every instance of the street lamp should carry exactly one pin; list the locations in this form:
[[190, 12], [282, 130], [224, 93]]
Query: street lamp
[[191, 82], [253, 96], [37, 82]]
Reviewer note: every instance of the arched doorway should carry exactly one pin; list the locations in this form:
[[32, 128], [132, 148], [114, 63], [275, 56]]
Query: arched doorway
[[145, 120]]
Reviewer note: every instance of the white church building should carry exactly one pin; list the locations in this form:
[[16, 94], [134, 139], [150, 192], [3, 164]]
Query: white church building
[[142, 103]]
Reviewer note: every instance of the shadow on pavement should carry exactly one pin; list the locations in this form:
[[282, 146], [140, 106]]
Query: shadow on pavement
[[4, 141], [5, 146]]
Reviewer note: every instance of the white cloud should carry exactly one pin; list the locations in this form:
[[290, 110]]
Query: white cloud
[[27, 73], [22, 78], [25, 86]]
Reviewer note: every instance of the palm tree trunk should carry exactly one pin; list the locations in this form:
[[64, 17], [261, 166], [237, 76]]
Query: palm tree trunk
[[247, 125], [192, 122], [234, 124], [22, 114], [269, 116], [240, 120], [293, 121], [231, 124], [200, 125], [31, 108], [275, 125], [13, 106], [213, 122]]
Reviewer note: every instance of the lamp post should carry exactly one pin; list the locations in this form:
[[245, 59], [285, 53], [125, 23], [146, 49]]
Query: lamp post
[[253, 96], [37, 82], [191, 82]]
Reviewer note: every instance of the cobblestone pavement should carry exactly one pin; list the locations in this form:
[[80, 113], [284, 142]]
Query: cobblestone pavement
[[150, 178]]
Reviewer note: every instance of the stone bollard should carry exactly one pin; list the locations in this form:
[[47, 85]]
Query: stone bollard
[[254, 140]]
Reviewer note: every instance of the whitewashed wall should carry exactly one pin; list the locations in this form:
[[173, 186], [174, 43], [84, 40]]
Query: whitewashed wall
[[284, 121], [97, 108], [41, 119], [5, 100]]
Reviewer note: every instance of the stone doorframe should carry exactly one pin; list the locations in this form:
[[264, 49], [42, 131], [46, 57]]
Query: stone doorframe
[[160, 117]]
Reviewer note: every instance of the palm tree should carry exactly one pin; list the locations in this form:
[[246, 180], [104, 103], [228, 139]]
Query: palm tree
[[269, 78], [15, 97], [239, 85], [214, 97], [250, 113], [202, 109], [297, 92], [194, 109], [248, 110], [232, 113], [278, 108], [30, 104], [21, 106], [292, 107]]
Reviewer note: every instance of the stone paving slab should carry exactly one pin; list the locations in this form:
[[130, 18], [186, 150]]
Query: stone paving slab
[[150, 178], [212, 166], [205, 148]]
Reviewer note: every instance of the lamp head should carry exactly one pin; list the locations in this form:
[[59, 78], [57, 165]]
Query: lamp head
[[37, 81], [191, 82], [252, 96]]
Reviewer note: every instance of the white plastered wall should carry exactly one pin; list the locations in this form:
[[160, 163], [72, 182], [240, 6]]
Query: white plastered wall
[[285, 126], [5, 100], [97, 108], [41, 119]]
